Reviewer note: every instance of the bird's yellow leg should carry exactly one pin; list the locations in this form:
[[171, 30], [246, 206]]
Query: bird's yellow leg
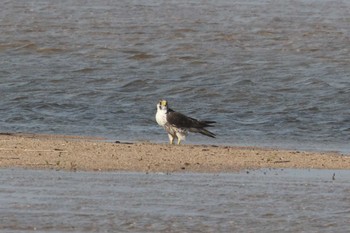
[[178, 141], [180, 137], [171, 139]]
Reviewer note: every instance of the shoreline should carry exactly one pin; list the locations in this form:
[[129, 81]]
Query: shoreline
[[80, 153]]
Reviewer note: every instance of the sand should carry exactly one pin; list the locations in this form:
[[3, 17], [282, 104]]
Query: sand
[[94, 154]]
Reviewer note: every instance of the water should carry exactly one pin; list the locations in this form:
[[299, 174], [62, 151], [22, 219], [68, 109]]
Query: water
[[272, 73], [259, 201]]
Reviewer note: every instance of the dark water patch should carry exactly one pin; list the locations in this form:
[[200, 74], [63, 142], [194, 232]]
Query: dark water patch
[[141, 56], [85, 70]]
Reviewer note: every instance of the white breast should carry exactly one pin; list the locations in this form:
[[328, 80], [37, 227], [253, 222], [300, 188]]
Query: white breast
[[161, 117]]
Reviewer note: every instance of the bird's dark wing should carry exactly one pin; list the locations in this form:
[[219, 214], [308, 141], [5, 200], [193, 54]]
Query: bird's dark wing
[[181, 121]]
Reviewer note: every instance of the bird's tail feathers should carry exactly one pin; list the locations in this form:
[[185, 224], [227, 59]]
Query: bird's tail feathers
[[207, 133], [208, 123], [203, 131]]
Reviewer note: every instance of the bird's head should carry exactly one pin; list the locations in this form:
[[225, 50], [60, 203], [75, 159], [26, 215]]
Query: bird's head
[[162, 105]]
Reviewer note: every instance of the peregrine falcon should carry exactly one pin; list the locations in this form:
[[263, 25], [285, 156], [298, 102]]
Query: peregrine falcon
[[178, 125]]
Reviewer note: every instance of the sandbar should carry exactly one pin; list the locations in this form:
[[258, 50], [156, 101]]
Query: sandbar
[[74, 153]]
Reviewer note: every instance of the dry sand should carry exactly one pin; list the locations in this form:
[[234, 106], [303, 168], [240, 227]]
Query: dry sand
[[93, 154]]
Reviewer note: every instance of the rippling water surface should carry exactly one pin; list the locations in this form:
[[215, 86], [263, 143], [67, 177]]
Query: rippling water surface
[[269, 72], [258, 201]]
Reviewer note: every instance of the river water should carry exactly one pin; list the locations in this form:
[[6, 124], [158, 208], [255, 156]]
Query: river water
[[250, 201], [272, 73]]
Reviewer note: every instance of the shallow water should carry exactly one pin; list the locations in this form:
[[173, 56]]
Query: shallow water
[[269, 72], [254, 201]]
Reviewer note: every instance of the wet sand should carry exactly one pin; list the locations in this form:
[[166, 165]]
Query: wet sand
[[95, 154]]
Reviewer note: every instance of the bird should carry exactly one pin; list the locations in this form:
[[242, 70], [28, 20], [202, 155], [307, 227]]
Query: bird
[[178, 125]]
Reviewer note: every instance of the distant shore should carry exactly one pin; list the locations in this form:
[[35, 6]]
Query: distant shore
[[74, 153]]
